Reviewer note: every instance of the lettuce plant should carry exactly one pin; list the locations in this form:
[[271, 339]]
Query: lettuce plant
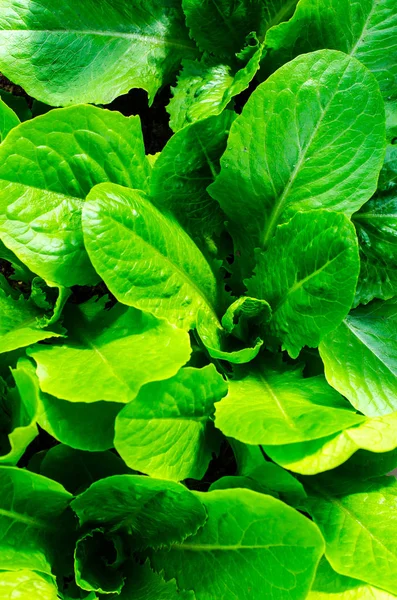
[[198, 348]]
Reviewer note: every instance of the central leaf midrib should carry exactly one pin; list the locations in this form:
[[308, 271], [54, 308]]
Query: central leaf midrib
[[268, 388], [280, 203], [27, 520], [178, 269], [117, 34]]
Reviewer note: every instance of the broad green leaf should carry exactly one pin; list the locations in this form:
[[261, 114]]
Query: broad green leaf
[[31, 520], [47, 167], [185, 168], [376, 226], [78, 424], [274, 407], [358, 528], [364, 29], [144, 584], [82, 54], [17, 422], [20, 322], [230, 482], [220, 345], [329, 585], [360, 358], [308, 275], [98, 353], [77, 470], [97, 558], [25, 585], [376, 434], [220, 27], [205, 87], [312, 136], [8, 120], [274, 549], [18, 105], [145, 257], [153, 512], [167, 431]]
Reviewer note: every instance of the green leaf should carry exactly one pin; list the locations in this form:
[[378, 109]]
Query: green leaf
[[366, 30], [312, 136], [179, 184], [268, 406], [274, 549], [205, 87], [77, 470], [104, 341], [21, 272], [145, 257], [17, 422], [20, 322], [360, 358], [153, 512], [82, 54], [220, 27], [167, 431], [79, 425], [329, 585], [144, 584], [96, 560], [47, 167], [358, 527], [31, 520], [377, 434], [25, 585], [308, 275], [376, 226], [8, 120]]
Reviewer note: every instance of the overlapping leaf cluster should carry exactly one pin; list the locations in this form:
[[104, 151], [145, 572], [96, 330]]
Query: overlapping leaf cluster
[[235, 294]]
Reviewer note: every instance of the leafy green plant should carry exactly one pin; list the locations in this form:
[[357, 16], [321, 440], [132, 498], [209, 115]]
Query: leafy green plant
[[198, 347]]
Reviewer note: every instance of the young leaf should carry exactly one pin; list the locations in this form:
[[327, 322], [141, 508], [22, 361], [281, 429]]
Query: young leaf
[[311, 136], [144, 584], [82, 54], [267, 406], [96, 560], [104, 342], [376, 226], [25, 585], [20, 323], [377, 434], [167, 431], [358, 528], [220, 27], [8, 120], [179, 184], [360, 358], [273, 547], [366, 30], [205, 87], [219, 346], [308, 275], [145, 257], [153, 512], [47, 167], [329, 585], [79, 425], [31, 525]]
